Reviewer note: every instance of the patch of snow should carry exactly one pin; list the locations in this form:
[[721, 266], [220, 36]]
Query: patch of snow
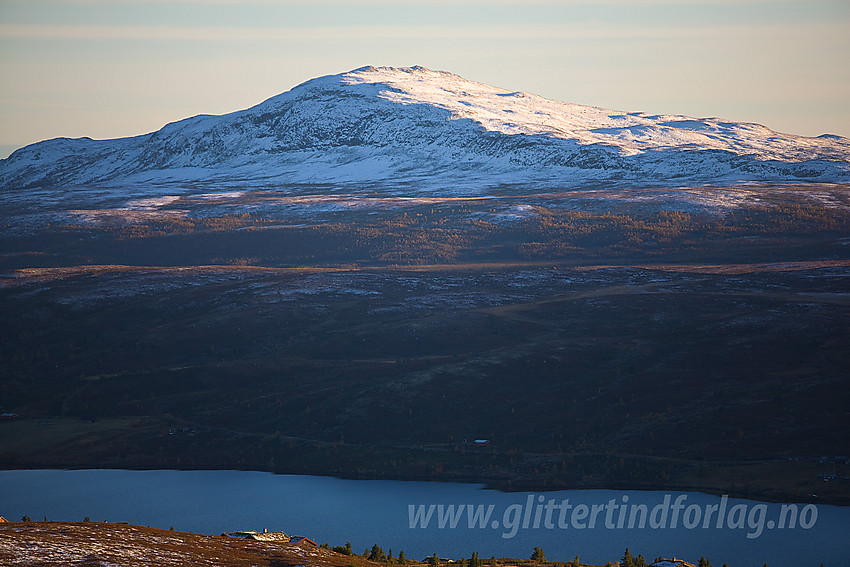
[[152, 203]]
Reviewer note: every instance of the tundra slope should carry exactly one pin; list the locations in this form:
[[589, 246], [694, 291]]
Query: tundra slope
[[431, 131]]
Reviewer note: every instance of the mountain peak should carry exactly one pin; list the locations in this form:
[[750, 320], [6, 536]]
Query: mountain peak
[[416, 125]]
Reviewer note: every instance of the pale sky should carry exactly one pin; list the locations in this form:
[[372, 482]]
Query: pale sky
[[114, 68]]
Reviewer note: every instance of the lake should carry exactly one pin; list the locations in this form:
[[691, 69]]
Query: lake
[[449, 519]]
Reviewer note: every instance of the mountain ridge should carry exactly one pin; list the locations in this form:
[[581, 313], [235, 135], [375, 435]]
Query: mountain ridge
[[431, 129]]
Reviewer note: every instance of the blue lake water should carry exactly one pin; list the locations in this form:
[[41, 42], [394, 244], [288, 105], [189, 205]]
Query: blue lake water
[[592, 523]]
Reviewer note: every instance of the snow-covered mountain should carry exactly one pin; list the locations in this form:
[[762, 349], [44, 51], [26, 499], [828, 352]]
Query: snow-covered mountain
[[434, 129]]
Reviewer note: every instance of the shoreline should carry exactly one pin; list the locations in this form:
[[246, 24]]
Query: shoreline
[[503, 486]]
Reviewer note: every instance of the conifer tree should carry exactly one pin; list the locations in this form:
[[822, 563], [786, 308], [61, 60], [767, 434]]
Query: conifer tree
[[377, 554]]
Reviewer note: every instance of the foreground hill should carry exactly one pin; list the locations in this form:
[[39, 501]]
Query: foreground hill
[[90, 544], [94, 544], [431, 130]]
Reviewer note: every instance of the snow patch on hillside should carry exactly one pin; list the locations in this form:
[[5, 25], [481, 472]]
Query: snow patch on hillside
[[511, 113]]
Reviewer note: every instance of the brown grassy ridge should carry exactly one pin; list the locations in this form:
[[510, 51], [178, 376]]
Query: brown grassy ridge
[[25, 275], [95, 543], [91, 544]]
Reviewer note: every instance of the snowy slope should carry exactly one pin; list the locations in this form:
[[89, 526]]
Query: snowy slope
[[432, 129]]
